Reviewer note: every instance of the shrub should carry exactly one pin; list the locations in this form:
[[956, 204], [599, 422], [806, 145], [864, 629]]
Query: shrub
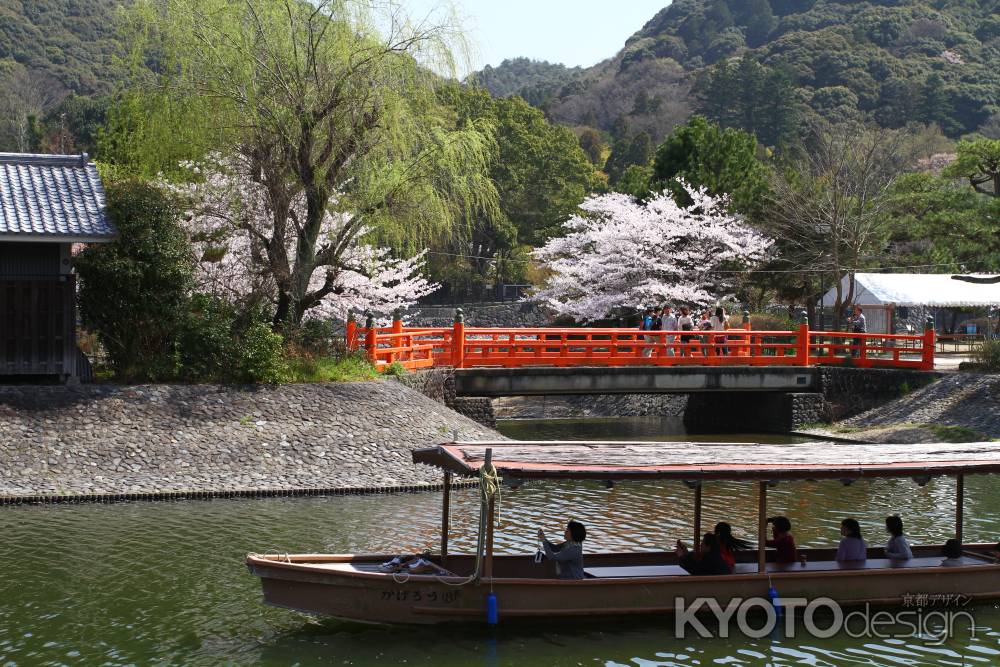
[[987, 355], [259, 355], [396, 369], [134, 291], [216, 343]]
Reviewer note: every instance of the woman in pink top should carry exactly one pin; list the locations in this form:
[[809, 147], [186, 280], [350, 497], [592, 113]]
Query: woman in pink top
[[852, 547]]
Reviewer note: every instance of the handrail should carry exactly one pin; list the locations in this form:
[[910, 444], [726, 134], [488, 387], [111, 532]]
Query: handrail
[[514, 347]]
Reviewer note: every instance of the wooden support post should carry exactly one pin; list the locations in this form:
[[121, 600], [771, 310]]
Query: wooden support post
[[959, 506], [445, 509], [371, 338], [697, 516], [458, 340], [491, 511], [762, 527]]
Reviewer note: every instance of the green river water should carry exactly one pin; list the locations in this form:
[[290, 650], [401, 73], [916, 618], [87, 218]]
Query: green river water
[[164, 583]]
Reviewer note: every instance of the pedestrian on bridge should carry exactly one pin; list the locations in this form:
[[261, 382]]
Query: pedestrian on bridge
[[668, 323], [650, 322], [720, 322]]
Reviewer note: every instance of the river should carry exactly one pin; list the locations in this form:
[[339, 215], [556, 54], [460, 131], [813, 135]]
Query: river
[[164, 583]]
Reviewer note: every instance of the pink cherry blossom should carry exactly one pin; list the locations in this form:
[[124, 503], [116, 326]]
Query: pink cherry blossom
[[619, 253], [228, 216]]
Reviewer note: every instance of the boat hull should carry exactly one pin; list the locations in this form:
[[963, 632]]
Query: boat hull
[[322, 587]]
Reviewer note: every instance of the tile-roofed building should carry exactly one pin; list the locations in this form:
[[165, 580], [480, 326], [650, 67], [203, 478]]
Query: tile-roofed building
[[51, 197], [47, 203]]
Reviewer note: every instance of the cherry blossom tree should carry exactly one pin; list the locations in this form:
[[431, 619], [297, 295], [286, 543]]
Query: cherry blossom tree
[[230, 220], [620, 253]]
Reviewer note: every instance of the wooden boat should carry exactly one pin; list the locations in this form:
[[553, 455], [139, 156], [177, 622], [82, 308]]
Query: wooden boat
[[626, 584]]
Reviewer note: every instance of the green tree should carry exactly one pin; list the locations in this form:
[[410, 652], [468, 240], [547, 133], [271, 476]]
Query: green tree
[[332, 106], [134, 291], [934, 105], [978, 162], [747, 95], [722, 161], [593, 145], [635, 151], [933, 220]]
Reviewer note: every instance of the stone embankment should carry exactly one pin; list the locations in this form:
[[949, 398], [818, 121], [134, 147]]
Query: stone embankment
[[99, 439], [957, 407]]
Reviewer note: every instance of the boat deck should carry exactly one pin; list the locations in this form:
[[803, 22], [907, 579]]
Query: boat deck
[[624, 571]]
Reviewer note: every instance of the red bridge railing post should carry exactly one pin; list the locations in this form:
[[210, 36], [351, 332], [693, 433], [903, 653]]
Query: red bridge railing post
[[351, 333], [371, 338], [458, 340], [802, 351], [397, 328], [930, 342]]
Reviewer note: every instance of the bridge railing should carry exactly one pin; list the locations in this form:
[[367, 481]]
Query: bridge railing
[[472, 347]]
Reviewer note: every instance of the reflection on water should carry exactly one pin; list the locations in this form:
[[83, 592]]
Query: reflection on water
[[163, 583], [664, 429]]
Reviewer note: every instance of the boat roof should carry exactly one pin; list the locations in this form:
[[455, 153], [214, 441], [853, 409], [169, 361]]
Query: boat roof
[[712, 460]]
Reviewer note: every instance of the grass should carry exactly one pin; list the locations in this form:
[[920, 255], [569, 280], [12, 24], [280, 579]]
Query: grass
[[947, 433], [987, 355], [350, 368]]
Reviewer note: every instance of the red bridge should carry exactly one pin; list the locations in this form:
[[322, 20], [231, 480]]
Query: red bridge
[[474, 347]]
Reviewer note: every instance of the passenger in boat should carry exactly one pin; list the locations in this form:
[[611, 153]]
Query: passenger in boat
[[852, 546], [706, 561], [782, 540], [952, 553], [897, 548], [568, 556], [728, 544]]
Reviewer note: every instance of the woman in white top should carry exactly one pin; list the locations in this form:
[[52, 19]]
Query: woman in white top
[[897, 548], [720, 323]]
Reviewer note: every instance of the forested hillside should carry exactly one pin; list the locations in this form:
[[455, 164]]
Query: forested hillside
[[71, 41], [751, 63], [56, 67]]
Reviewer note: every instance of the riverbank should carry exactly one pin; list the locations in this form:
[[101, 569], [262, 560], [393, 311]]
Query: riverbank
[[95, 440], [958, 407]]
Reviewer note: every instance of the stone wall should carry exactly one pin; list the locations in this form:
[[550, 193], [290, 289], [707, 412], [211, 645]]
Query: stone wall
[[590, 405], [851, 391], [100, 439]]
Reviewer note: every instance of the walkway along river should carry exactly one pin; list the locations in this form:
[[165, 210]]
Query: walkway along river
[[163, 583]]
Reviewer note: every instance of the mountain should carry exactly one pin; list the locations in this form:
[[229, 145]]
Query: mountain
[[70, 42], [890, 61]]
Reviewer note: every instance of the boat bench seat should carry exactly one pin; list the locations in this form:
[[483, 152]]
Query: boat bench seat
[[751, 568]]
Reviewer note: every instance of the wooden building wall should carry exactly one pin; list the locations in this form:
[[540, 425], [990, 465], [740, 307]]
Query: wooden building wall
[[37, 311]]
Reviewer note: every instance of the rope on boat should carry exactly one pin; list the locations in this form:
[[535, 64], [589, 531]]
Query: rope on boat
[[489, 488]]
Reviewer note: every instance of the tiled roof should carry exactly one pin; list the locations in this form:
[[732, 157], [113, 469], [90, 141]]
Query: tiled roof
[[52, 197]]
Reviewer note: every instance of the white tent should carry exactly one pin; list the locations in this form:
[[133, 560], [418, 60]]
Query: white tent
[[915, 289]]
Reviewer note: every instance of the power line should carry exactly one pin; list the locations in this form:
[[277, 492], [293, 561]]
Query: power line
[[728, 272]]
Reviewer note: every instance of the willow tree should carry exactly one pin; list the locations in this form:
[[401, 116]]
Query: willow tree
[[332, 105]]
